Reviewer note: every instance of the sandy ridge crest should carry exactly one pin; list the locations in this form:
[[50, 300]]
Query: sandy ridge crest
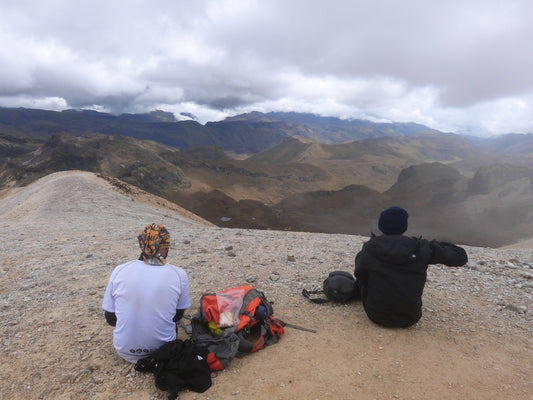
[[64, 234]]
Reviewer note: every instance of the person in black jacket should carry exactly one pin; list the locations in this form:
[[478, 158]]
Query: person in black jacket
[[391, 270]]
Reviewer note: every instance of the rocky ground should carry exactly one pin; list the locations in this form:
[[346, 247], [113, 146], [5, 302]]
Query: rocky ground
[[63, 235]]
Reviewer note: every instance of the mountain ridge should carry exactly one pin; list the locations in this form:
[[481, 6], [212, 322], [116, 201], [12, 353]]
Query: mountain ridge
[[239, 134], [267, 189]]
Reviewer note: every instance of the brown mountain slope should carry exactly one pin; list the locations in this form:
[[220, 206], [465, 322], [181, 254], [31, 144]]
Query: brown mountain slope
[[295, 166], [141, 163], [305, 185], [441, 203], [300, 165], [376, 163], [157, 168]]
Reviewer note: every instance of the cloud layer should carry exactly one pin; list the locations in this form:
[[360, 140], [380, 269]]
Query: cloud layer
[[455, 65]]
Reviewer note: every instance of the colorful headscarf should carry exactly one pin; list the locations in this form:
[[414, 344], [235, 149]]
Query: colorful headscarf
[[152, 239]]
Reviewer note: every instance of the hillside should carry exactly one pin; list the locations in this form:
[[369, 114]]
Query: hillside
[[238, 135], [245, 134], [377, 162], [509, 144], [298, 165], [493, 208], [141, 163], [64, 234], [331, 129], [303, 185], [240, 138]]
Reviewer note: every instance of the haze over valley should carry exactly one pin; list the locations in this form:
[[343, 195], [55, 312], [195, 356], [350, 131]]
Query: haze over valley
[[290, 171]]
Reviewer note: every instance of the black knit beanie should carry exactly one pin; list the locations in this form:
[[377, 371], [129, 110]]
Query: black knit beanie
[[393, 221]]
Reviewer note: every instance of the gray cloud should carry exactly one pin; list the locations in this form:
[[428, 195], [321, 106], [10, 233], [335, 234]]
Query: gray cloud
[[455, 65]]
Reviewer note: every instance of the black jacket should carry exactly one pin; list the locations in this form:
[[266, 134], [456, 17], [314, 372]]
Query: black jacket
[[178, 365], [391, 274]]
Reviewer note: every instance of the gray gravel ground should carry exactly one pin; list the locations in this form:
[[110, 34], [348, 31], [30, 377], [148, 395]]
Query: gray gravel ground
[[62, 236]]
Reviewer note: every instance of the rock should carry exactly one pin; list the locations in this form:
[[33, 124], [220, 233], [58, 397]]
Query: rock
[[520, 309], [274, 276], [291, 258], [527, 275]]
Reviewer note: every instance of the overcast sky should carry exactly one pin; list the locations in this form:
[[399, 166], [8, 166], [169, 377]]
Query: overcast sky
[[464, 66]]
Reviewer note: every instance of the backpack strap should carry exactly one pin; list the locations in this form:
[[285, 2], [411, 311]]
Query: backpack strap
[[318, 300]]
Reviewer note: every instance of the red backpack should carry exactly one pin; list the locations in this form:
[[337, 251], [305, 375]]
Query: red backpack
[[234, 322]]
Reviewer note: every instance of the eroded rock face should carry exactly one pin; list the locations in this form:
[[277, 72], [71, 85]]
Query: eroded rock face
[[495, 176]]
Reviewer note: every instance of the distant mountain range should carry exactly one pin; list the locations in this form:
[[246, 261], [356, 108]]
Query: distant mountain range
[[473, 191], [247, 133]]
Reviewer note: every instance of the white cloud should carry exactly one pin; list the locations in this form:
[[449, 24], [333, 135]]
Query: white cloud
[[46, 103], [509, 115]]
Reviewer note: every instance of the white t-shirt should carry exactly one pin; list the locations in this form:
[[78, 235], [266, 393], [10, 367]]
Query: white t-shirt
[[145, 299]]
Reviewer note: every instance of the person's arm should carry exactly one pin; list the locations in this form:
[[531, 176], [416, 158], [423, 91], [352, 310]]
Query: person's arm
[[178, 316], [448, 254], [358, 270], [111, 318], [109, 301]]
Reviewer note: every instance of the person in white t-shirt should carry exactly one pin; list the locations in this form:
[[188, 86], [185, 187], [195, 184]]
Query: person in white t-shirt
[[145, 298]]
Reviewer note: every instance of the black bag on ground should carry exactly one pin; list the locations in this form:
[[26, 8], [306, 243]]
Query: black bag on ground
[[339, 286]]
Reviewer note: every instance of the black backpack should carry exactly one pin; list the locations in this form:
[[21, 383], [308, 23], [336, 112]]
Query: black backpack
[[339, 286]]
